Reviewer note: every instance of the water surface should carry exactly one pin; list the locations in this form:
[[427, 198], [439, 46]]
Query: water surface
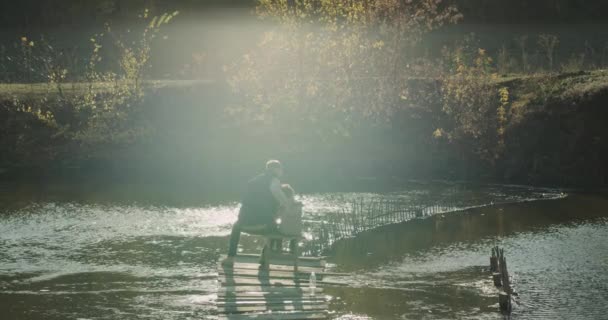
[[65, 253]]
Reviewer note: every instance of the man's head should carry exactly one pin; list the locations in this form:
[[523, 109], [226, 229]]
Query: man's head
[[275, 168]]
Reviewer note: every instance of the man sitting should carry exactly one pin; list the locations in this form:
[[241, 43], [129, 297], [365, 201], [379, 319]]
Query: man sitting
[[259, 207]]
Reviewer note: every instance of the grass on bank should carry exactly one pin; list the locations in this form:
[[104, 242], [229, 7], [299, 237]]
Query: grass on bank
[[8, 90], [571, 83]]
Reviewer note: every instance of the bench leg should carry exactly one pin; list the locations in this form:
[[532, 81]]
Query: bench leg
[[276, 245], [296, 253], [264, 256]]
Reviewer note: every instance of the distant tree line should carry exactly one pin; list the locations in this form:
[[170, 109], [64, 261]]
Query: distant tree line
[[44, 13]]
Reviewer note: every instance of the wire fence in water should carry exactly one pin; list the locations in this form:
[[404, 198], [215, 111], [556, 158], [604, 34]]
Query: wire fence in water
[[363, 215]]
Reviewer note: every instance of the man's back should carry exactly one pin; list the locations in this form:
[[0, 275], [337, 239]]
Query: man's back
[[258, 205]]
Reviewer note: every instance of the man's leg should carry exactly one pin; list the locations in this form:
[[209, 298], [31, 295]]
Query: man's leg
[[276, 245], [293, 243], [235, 237]]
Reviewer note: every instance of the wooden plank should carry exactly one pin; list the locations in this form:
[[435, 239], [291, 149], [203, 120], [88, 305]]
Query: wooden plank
[[266, 308], [272, 300], [279, 273], [230, 281], [301, 258], [277, 260], [297, 276], [251, 281], [271, 308], [226, 290], [310, 315], [329, 282], [267, 273], [272, 267], [332, 274], [223, 304], [245, 296], [279, 292]]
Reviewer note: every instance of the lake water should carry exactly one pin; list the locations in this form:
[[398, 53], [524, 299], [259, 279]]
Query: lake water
[[70, 253]]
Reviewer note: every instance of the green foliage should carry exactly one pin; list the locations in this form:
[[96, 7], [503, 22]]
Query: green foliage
[[327, 71], [522, 44], [331, 65], [548, 43], [575, 63], [134, 52], [471, 100], [467, 92], [112, 99], [505, 63], [501, 114], [107, 110]]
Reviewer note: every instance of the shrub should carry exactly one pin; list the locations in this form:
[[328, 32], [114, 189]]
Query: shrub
[[548, 43], [331, 65]]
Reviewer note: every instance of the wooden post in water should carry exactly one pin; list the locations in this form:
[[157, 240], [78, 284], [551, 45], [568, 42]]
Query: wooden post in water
[[506, 283], [494, 261], [497, 278], [500, 276], [504, 301]]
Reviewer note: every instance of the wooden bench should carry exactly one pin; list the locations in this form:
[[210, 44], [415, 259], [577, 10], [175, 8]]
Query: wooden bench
[[267, 253], [246, 292]]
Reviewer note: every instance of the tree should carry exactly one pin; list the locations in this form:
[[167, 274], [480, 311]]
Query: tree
[[330, 65]]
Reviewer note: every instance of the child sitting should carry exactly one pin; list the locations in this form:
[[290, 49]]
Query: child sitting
[[289, 222]]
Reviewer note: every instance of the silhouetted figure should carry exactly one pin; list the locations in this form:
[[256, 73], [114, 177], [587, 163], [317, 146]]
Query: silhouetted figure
[[261, 202]]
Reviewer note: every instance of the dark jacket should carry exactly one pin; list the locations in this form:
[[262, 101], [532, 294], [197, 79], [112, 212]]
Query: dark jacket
[[259, 205]]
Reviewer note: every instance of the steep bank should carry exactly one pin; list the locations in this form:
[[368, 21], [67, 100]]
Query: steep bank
[[556, 134], [181, 134]]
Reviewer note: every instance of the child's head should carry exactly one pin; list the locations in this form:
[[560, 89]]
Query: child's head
[[288, 191]]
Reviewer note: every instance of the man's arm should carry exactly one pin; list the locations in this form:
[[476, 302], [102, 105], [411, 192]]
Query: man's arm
[[277, 193]]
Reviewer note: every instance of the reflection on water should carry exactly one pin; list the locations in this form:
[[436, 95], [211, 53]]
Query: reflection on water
[[67, 254]]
